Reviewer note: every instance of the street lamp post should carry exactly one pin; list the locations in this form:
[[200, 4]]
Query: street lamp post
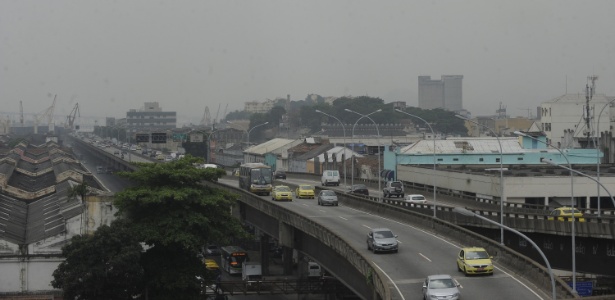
[[377, 132], [502, 197], [248, 133], [468, 213], [574, 262], [344, 154], [434, 157]]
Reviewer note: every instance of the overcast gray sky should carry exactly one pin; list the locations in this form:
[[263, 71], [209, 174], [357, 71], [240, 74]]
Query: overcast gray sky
[[111, 56]]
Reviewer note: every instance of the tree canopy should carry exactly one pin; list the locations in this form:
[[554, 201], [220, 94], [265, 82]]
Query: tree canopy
[[173, 215], [102, 266]]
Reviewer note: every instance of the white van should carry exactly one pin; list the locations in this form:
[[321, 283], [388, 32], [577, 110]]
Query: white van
[[314, 270], [330, 177]]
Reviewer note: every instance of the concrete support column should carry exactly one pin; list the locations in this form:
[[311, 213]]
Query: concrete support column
[[265, 254], [287, 240], [546, 201], [588, 202], [287, 261]]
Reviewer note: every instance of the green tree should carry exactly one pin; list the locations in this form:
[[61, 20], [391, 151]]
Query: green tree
[[103, 266], [175, 215]]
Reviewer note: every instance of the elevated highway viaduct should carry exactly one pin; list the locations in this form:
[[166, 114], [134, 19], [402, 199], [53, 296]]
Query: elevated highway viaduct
[[335, 237]]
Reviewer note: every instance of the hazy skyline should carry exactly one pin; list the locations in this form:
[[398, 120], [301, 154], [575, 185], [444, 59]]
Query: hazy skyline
[[112, 56]]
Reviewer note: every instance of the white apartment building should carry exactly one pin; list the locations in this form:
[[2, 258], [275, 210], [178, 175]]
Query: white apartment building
[[563, 119]]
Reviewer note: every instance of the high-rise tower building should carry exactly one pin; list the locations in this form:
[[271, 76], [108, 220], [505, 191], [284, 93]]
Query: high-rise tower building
[[445, 93]]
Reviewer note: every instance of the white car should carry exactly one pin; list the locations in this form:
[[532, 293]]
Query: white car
[[416, 198]]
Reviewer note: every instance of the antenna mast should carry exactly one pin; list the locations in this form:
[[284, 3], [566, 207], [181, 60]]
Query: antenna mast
[[589, 94]]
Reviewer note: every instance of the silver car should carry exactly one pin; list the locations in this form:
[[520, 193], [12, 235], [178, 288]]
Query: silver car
[[327, 197], [382, 239], [441, 287]]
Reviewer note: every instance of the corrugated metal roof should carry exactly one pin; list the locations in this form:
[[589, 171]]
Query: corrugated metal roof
[[268, 146], [465, 145]]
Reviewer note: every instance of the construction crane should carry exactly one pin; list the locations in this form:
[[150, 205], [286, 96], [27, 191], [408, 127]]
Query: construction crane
[[46, 113], [70, 119], [226, 108]]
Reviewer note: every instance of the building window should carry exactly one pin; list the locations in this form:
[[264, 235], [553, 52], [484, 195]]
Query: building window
[[497, 160], [455, 159], [519, 158], [440, 159], [481, 159]]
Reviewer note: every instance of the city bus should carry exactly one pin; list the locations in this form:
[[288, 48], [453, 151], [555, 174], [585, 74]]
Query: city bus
[[256, 178], [232, 258]]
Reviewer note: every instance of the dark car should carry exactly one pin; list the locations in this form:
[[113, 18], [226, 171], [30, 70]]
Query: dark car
[[359, 189], [280, 175], [382, 239], [212, 250]]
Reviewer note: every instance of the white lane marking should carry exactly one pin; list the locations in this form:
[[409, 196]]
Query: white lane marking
[[425, 257], [390, 279], [399, 241], [304, 205], [457, 283], [448, 242], [322, 210], [367, 227], [343, 218]]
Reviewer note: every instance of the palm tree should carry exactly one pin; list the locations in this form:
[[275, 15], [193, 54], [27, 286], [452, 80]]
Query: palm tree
[[78, 190]]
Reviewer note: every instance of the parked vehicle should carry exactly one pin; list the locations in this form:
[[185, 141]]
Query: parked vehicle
[[382, 239], [327, 197], [441, 287], [330, 177], [393, 188], [359, 189], [280, 175]]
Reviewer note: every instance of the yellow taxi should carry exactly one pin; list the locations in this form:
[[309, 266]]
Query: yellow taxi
[[474, 260], [565, 214], [281, 193], [211, 264], [305, 191]]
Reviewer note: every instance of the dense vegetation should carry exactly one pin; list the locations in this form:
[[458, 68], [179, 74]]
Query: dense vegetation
[[304, 115], [152, 248]]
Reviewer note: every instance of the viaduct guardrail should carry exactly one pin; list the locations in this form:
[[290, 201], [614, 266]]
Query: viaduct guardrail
[[525, 220]]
